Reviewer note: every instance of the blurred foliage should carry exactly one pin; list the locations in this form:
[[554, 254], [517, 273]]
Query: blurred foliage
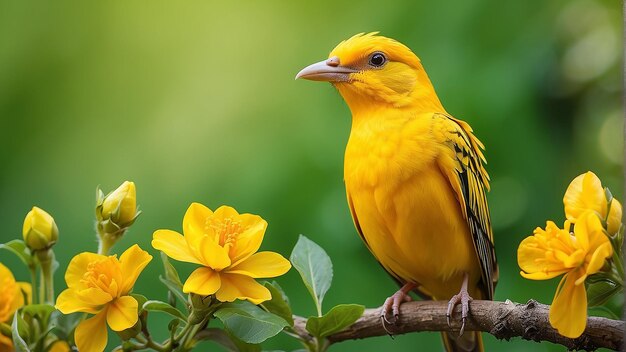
[[196, 101]]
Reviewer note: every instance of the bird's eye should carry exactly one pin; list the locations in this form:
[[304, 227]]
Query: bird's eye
[[378, 59]]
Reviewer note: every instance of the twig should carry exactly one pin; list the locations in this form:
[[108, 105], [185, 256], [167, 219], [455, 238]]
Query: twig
[[503, 320]]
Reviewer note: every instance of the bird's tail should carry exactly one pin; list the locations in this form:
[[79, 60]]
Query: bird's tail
[[471, 341]]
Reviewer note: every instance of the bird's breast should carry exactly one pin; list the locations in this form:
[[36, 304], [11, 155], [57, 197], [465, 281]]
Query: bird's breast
[[388, 150]]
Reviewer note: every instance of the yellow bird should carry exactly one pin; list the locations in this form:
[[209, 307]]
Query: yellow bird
[[415, 179]]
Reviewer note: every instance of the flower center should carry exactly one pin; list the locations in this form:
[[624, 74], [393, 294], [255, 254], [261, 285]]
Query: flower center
[[226, 231], [100, 275]]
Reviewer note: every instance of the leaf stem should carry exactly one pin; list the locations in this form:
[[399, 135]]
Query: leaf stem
[[187, 342], [33, 282], [105, 243], [183, 332], [156, 346], [42, 287], [46, 258], [49, 284]]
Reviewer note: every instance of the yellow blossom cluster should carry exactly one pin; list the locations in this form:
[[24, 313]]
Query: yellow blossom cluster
[[224, 243], [576, 251]]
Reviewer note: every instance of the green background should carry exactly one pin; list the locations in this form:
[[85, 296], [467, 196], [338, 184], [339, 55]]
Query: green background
[[196, 101]]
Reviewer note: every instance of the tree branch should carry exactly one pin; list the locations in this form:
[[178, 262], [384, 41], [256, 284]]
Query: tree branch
[[503, 320]]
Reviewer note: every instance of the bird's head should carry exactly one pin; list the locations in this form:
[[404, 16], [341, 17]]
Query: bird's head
[[370, 70]]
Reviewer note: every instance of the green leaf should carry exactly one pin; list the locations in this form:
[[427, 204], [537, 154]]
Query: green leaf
[[65, 324], [39, 311], [170, 272], [601, 291], [231, 343], [315, 267], [158, 306], [248, 322], [279, 303], [337, 319], [18, 342], [18, 248], [608, 195], [174, 288], [41, 340]]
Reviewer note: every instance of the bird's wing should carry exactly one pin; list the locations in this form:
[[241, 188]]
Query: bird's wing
[[470, 181]]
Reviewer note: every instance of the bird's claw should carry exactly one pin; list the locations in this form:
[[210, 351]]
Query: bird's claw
[[392, 305], [464, 298]]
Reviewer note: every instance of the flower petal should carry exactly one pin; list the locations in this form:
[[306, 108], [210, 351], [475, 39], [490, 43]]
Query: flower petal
[[26, 289], [584, 227], [262, 265], [15, 301], [236, 286], [585, 192], [531, 258], [77, 268], [94, 295], [91, 334], [87, 301], [122, 313], [226, 211], [539, 275], [194, 223], [202, 281], [589, 232], [59, 346], [6, 344], [598, 257], [201, 239], [174, 245], [568, 313], [213, 255], [248, 241], [133, 261]]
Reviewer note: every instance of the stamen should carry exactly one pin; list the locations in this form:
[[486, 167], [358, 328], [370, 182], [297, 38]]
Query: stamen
[[226, 231]]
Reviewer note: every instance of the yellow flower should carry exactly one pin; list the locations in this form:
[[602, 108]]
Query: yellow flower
[[39, 230], [6, 344], [584, 193], [11, 298], [59, 346], [120, 206], [224, 242], [100, 285], [552, 252]]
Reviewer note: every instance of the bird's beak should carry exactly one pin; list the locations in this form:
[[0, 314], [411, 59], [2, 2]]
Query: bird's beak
[[328, 70]]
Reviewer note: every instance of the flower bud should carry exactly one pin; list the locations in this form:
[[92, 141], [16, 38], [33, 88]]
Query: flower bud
[[201, 306], [39, 231], [120, 206], [614, 218], [115, 213]]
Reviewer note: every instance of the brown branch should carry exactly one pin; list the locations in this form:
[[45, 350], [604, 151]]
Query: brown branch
[[503, 320]]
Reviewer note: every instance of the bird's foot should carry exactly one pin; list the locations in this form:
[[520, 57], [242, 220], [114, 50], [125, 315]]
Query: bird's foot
[[464, 298], [392, 305]]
